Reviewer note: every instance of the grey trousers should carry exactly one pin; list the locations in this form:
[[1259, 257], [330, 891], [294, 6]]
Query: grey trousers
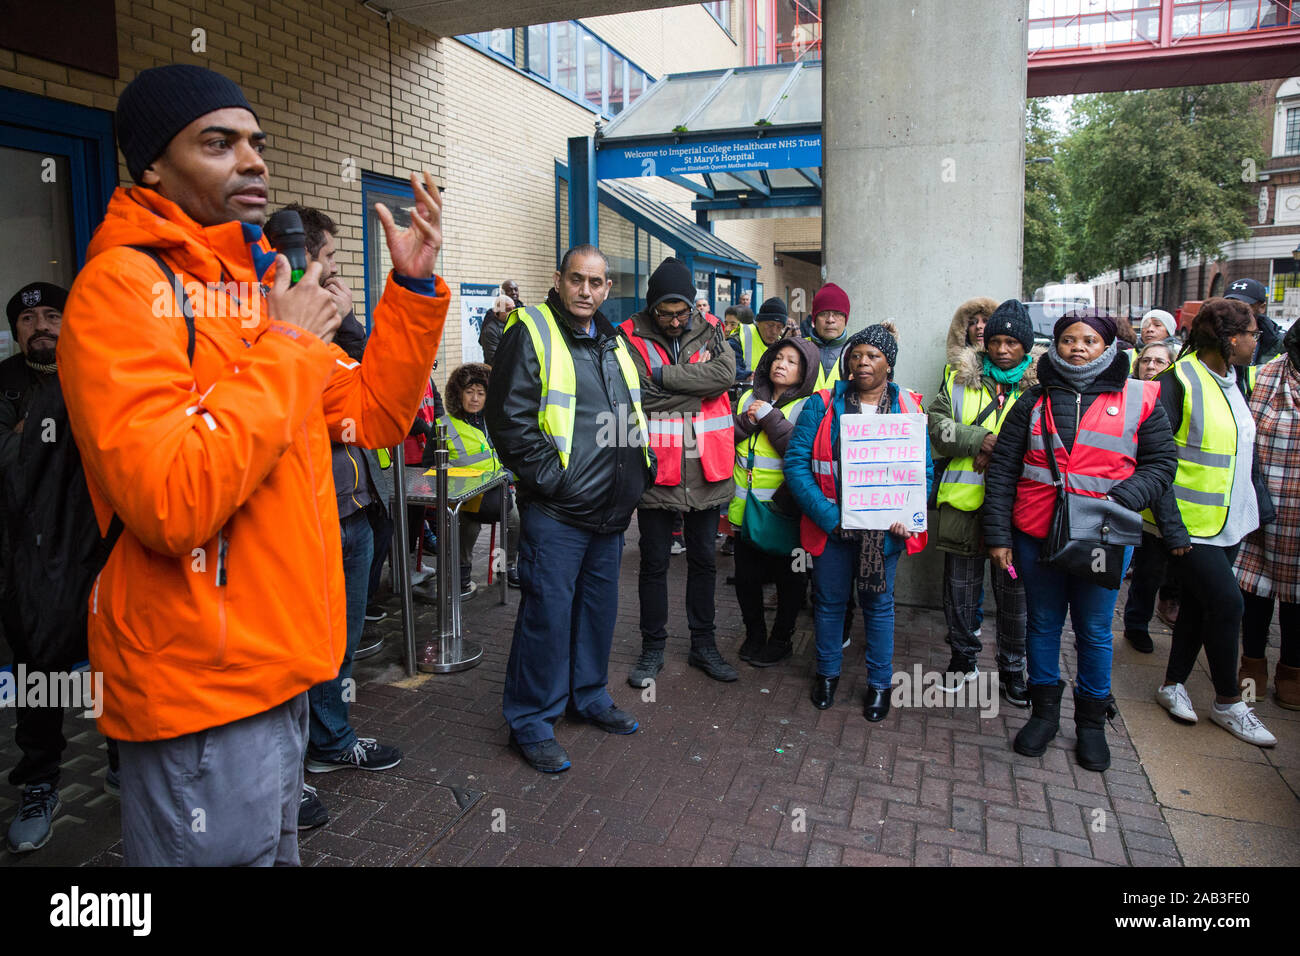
[[226, 796]]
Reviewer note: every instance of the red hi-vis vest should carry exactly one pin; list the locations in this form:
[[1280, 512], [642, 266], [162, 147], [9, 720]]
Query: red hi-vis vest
[[712, 424], [1104, 453], [826, 470]]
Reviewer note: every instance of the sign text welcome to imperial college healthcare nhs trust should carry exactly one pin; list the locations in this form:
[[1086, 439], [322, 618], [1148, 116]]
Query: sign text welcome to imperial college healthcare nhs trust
[[882, 469], [676, 159]]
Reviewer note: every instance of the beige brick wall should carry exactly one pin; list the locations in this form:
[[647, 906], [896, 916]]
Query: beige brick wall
[[315, 72], [672, 40]]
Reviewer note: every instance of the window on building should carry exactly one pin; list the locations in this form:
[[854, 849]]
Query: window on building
[[721, 11], [614, 83], [635, 84], [539, 49], [1286, 118], [1286, 275], [500, 41], [1293, 130], [566, 57], [592, 86]]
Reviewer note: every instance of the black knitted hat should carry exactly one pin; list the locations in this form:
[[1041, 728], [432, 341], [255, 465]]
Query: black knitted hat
[[773, 310], [672, 280], [1011, 318], [162, 101]]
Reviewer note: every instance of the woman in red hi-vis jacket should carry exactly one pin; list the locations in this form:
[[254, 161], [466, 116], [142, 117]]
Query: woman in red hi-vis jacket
[[812, 474], [1112, 440]]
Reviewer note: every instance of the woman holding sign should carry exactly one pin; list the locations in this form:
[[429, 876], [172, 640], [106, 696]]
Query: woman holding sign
[[812, 470], [762, 510], [1110, 438]]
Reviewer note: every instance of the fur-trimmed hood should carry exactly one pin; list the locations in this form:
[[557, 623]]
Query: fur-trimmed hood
[[960, 321], [969, 363], [471, 373]]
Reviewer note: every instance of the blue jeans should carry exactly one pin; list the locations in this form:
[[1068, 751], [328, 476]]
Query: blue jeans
[[329, 733], [832, 581], [567, 608], [1049, 594]]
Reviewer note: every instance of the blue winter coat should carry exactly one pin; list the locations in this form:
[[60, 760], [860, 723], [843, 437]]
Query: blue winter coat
[[799, 475]]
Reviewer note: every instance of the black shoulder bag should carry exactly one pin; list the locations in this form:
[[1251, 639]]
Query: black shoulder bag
[[1088, 535]]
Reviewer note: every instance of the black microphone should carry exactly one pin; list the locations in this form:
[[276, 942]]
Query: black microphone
[[285, 233]]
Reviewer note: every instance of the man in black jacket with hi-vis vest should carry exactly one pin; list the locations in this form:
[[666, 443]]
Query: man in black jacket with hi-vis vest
[[564, 412]]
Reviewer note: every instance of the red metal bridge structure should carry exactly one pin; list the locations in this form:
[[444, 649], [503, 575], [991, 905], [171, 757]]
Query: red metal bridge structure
[[1092, 46]]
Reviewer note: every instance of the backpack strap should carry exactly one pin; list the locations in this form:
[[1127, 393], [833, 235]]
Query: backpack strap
[[115, 526], [182, 299]]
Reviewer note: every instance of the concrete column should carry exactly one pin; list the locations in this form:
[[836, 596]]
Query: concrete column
[[923, 146]]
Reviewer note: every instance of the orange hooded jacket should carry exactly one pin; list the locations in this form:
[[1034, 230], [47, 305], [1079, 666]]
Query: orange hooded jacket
[[224, 595]]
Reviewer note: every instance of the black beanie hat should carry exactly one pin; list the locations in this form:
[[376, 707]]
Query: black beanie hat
[[32, 295], [773, 310], [1011, 318], [883, 336], [162, 101], [672, 280]]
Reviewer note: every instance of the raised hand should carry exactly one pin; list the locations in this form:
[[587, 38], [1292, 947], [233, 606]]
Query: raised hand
[[414, 250]]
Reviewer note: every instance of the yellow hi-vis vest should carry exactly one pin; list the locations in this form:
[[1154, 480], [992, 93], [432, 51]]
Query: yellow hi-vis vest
[[557, 411], [752, 346], [469, 447], [827, 379], [769, 466], [961, 486], [1207, 449]]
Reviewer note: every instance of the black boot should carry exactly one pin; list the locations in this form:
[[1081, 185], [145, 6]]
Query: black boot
[[1044, 722], [752, 646], [777, 649], [823, 691], [1090, 716]]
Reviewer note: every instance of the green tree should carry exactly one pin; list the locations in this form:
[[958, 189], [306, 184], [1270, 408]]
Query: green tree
[[1159, 172], [1044, 197]]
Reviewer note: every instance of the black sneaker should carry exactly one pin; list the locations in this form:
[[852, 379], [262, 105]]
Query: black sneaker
[[1140, 641], [959, 671], [1011, 685], [774, 652], [366, 754], [512, 577], [728, 546], [311, 812], [614, 721], [712, 663], [468, 590], [545, 756], [751, 648], [375, 612], [33, 824], [650, 663], [367, 647]]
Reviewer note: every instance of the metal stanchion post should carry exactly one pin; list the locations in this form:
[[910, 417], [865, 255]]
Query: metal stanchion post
[[454, 652], [401, 559]]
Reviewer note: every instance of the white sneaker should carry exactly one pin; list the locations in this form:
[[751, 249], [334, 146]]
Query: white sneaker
[[1175, 700], [1240, 721], [677, 548]]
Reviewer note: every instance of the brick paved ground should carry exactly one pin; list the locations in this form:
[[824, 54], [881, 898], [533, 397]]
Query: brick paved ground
[[744, 773]]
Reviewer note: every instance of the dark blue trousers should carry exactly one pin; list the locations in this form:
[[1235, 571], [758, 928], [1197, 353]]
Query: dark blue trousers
[[568, 605]]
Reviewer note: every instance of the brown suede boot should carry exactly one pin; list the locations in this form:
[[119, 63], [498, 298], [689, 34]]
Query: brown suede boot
[[1256, 669], [1286, 686]]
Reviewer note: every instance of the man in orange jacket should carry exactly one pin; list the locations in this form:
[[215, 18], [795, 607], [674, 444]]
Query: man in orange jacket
[[206, 440]]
